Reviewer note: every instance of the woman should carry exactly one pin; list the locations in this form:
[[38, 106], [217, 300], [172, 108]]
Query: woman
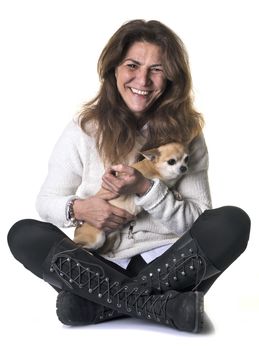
[[177, 249]]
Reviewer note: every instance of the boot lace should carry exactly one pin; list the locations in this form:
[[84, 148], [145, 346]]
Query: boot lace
[[125, 297], [188, 269]]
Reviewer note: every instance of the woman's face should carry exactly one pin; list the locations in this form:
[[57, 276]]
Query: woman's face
[[140, 77]]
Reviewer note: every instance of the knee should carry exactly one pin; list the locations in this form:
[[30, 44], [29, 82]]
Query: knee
[[17, 236], [222, 233], [235, 224]]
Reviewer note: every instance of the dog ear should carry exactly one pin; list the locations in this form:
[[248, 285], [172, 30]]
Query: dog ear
[[151, 154]]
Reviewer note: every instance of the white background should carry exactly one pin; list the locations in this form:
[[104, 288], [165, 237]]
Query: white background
[[49, 50]]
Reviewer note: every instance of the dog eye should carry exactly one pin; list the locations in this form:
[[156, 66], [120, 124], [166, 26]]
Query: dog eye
[[186, 159], [171, 161]]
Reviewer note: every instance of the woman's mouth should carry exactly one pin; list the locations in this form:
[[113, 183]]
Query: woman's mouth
[[139, 92]]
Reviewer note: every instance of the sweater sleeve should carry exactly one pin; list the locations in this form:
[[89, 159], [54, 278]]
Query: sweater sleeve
[[63, 178], [178, 216]]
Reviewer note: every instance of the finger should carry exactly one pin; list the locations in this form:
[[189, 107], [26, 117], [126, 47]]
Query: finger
[[106, 194], [109, 188], [111, 226], [122, 168], [111, 184], [122, 213], [118, 220], [111, 178], [110, 171]]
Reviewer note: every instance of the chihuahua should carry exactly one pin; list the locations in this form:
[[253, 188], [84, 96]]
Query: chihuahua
[[167, 163]]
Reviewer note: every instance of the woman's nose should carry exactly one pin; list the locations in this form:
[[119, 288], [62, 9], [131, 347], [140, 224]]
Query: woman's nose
[[143, 77]]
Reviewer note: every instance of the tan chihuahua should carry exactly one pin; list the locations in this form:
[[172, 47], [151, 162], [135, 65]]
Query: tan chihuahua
[[167, 163]]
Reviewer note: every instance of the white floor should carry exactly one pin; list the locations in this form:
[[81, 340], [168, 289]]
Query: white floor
[[48, 71], [28, 319]]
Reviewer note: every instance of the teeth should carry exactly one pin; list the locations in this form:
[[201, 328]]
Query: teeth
[[139, 92]]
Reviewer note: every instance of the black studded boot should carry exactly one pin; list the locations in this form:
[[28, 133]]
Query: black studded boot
[[182, 267], [73, 310], [72, 268]]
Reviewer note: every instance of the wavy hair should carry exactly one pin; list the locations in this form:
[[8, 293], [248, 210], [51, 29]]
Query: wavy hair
[[171, 117]]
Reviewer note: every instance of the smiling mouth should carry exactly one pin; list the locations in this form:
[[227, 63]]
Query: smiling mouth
[[140, 92]]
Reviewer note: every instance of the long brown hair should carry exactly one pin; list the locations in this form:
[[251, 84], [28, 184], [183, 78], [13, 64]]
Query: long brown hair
[[171, 118]]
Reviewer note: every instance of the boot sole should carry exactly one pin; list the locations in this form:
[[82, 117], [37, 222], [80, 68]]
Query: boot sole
[[63, 318], [199, 298]]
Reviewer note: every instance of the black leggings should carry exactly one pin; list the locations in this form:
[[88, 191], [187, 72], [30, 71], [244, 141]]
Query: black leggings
[[221, 233]]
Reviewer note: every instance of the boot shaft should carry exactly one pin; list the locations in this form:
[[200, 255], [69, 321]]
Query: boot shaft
[[182, 267], [78, 271]]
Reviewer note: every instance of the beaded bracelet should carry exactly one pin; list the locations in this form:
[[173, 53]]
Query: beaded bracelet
[[70, 215]]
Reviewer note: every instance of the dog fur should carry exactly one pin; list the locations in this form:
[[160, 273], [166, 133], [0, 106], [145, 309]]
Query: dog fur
[[167, 163]]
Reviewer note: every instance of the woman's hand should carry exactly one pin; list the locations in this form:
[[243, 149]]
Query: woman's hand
[[98, 212], [123, 179]]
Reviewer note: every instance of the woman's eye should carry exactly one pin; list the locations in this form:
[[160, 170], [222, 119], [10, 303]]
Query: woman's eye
[[186, 159], [171, 161], [157, 70], [132, 65]]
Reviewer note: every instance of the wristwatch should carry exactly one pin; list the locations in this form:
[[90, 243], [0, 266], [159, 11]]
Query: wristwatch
[[70, 215]]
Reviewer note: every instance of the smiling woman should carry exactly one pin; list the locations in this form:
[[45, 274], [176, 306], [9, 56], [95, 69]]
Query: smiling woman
[[166, 257], [145, 77], [140, 77]]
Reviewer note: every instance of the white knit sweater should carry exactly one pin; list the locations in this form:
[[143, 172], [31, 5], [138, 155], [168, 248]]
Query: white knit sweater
[[75, 169]]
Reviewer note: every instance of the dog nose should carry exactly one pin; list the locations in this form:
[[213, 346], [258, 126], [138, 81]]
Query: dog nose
[[183, 169]]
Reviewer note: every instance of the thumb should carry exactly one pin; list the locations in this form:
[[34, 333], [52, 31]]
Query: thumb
[[121, 168]]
